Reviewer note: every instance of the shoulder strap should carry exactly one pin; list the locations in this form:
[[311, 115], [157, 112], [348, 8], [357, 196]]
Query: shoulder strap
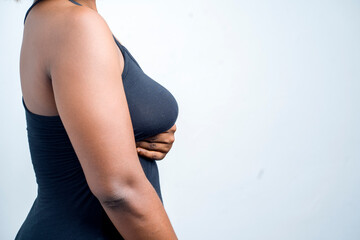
[[32, 5], [75, 2]]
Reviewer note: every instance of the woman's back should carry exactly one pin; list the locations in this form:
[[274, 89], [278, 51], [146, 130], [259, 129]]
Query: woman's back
[[66, 207]]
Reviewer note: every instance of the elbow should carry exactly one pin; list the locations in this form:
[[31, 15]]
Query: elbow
[[120, 195], [115, 202], [125, 201], [116, 199]]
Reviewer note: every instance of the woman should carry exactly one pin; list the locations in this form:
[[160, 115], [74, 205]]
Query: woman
[[87, 103]]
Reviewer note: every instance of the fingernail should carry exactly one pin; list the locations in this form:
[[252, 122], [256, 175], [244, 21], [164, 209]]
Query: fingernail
[[138, 149]]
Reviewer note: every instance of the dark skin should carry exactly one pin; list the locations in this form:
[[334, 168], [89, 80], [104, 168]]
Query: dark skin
[[156, 147], [86, 90]]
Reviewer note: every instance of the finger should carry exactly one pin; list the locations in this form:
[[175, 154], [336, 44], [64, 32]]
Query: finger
[[164, 137], [152, 146], [153, 155], [161, 137], [172, 129]]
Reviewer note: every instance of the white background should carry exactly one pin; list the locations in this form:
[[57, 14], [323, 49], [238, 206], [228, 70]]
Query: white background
[[268, 139]]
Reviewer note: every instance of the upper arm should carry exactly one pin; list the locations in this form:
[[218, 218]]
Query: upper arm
[[86, 72]]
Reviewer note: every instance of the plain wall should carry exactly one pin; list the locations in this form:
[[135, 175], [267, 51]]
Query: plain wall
[[268, 138]]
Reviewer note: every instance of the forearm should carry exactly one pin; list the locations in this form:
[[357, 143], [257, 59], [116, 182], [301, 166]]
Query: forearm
[[139, 214]]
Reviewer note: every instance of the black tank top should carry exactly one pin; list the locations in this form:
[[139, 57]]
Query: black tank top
[[65, 208]]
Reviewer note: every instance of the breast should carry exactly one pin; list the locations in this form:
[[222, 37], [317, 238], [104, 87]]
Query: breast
[[153, 109]]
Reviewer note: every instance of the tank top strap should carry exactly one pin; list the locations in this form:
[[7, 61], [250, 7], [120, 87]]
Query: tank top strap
[[32, 5], [75, 2], [36, 2]]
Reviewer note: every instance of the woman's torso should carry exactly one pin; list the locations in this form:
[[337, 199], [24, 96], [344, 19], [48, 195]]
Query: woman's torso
[[65, 208]]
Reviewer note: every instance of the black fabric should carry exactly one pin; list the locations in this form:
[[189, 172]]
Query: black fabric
[[65, 208]]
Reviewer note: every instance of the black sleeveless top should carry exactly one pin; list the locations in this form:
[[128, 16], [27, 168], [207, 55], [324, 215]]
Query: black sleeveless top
[[65, 208]]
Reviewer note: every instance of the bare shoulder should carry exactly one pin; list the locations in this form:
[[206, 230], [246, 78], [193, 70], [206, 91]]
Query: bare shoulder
[[85, 71], [82, 18], [79, 26], [56, 34]]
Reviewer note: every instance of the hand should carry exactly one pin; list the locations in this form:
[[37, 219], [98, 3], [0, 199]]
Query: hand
[[156, 147]]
